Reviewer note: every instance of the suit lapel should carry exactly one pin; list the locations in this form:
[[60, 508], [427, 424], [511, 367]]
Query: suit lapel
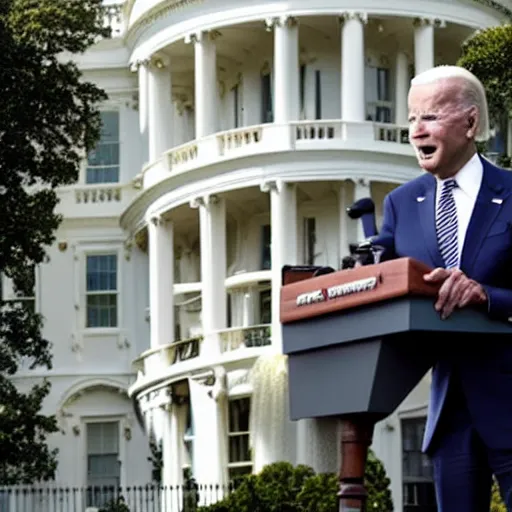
[[427, 213], [487, 206]]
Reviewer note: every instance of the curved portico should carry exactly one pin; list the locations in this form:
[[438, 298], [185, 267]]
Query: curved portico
[[264, 123]]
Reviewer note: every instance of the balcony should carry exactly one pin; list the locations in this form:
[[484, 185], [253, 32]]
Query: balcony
[[264, 139], [232, 347], [98, 200], [113, 18]]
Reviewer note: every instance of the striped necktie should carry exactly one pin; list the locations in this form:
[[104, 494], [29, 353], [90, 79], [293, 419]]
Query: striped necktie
[[446, 225]]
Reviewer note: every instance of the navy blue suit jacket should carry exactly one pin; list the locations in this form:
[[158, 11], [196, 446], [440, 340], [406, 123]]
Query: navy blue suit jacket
[[485, 372]]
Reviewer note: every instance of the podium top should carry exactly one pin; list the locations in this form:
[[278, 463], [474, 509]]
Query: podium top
[[355, 287]]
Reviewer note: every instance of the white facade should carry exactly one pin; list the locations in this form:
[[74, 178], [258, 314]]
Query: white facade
[[244, 130]]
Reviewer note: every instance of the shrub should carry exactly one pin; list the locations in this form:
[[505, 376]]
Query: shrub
[[281, 487]]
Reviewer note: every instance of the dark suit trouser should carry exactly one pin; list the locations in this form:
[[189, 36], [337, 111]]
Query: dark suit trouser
[[463, 464]]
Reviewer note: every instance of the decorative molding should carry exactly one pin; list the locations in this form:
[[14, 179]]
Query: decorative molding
[[428, 22], [157, 12], [497, 6], [281, 21], [128, 246], [354, 15]]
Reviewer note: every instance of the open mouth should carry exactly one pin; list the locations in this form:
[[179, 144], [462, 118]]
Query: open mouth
[[426, 152]]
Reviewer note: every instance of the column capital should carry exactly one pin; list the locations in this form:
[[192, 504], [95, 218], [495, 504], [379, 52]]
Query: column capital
[[354, 15], [361, 182], [428, 22], [274, 184], [281, 21], [159, 61], [205, 201], [159, 220], [137, 64], [202, 35]]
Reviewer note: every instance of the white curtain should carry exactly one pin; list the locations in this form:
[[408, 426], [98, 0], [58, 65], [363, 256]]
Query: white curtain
[[273, 436], [317, 444]]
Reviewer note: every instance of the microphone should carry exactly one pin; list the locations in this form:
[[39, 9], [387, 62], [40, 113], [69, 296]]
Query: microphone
[[364, 209]]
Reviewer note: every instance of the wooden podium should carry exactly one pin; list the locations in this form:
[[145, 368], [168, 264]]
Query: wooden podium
[[358, 341]]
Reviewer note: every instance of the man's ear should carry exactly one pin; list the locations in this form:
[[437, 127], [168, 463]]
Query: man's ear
[[473, 121]]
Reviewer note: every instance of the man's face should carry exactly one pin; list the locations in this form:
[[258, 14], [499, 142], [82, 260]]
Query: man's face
[[441, 127]]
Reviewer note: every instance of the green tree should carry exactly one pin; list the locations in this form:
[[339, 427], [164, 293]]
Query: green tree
[[48, 122], [487, 55]]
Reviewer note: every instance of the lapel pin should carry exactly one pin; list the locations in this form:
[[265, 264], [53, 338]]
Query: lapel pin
[[496, 200], [420, 199]]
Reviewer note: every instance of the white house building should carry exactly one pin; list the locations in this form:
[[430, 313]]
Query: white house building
[[236, 134]]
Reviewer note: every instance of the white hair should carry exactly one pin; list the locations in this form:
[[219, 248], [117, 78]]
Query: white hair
[[473, 93]]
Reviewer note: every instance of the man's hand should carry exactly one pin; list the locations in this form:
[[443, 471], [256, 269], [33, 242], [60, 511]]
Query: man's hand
[[457, 290]]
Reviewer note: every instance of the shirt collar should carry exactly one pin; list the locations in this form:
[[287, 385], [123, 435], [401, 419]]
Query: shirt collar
[[469, 178]]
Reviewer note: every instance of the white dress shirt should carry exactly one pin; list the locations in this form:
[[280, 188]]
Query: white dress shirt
[[468, 179]]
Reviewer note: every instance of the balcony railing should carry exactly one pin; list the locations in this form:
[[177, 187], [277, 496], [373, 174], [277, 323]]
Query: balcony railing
[[159, 359], [271, 138], [113, 17], [249, 337], [147, 498]]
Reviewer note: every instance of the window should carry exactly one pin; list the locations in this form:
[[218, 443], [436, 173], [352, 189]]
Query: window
[[101, 290], [318, 95], [236, 105], [309, 240], [265, 307], [418, 484], [103, 160], [103, 465], [378, 94], [302, 89], [267, 109], [188, 440], [266, 252], [240, 462], [24, 295]]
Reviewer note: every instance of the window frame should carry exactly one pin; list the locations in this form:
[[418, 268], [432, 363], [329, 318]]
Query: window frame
[[87, 166], [234, 434], [102, 250], [121, 455]]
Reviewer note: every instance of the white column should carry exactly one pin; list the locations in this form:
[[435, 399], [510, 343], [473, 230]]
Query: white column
[[172, 474], [161, 281], [401, 88], [212, 220], [353, 102], [206, 89], [160, 108], [344, 226], [361, 189], [283, 217], [286, 69], [423, 45], [142, 71]]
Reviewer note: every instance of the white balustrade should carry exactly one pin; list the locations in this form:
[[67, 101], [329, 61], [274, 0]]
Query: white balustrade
[[98, 194], [248, 337], [271, 138]]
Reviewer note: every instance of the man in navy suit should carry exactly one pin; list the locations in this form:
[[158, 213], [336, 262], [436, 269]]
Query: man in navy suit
[[457, 218]]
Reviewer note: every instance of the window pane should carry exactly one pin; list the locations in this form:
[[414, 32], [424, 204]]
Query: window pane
[[102, 310], [102, 272], [239, 415], [239, 448], [103, 160]]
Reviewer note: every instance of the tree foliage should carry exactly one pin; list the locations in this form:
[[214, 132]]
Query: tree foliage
[[281, 487], [497, 504], [488, 55], [48, 121]]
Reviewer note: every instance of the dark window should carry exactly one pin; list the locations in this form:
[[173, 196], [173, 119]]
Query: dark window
[[418, 483], [266, 253]]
